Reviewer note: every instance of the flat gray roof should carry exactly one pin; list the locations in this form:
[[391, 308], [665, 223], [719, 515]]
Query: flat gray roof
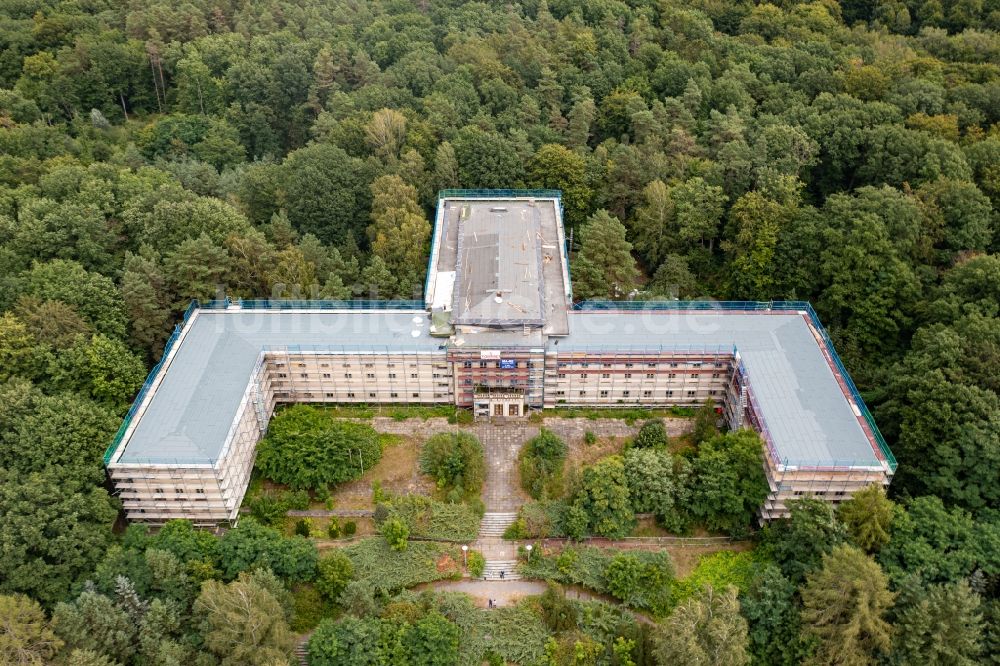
[[499, 262], [810, 420], [188, 417]]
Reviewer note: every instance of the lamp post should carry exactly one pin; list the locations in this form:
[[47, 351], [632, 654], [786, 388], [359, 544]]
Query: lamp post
[[465, 556], [528, 548]]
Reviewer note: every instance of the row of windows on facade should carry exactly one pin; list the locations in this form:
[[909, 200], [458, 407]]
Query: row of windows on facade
[[649, 375], [353, 394], [281, 364], [604, 393], [349, 375], [672, 364]]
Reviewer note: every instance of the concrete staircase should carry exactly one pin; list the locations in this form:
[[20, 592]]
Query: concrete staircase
[[493, 568], [494, 524], [300, 653]]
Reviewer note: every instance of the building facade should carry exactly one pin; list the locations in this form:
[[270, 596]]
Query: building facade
[[497, 333]]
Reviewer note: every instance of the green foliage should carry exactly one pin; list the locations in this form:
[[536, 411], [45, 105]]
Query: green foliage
[[350, 528], [27, 637], [768, 604], [307, 449], [388, 570], [309, 608], [729, 483], [603, 500], [652, 435], [541, 464], [844, 604], [639, 579], [396, 533], [335, 570], [868, 517], [705, 629], [604, 267], [720, 571], [430, 519], [799, 542], [454, 460], [303, 527], [252, 545], [940, 624], [477, 563], [659, 483]]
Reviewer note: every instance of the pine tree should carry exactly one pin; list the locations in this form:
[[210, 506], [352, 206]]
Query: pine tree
[[868, 517], [604, 267], [377, 282], [844, 604], [939, 625]]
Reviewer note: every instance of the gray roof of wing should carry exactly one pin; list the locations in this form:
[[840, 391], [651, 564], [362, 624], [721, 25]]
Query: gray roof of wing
[[189, 415], [810, 420]]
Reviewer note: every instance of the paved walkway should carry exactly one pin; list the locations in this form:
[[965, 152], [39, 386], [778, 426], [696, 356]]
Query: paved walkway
[[508, 593]]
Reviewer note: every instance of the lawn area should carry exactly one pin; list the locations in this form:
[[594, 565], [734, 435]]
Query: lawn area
[[399, 412], [628, 414], [398, 472]]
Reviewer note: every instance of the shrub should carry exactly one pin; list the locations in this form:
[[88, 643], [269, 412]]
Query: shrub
[[589, 438], [333, 529], [602, 501], [268, 509], [396, 533], [541, 465], [308, 608], [297, 500], [306, 448], [454, 460], [705, 424], [303, 527], [652, 435], [350, 528], [251, 545], [477, 563], [335, 571], [516, 530]]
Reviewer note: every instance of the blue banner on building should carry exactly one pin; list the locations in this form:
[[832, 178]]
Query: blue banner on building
[[507, 363]]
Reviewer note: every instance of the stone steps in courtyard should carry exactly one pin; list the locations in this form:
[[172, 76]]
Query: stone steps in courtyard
[[493, 568], [494, 523]]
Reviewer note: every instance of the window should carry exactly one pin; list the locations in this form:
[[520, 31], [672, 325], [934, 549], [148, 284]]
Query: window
[[628, 365], [301, 365], [371, 395], [159, 491], [672, 375], [178, 490], [370, 375], [605, 375], [625, 394], [200, 491], [583, 393], [282, 375], [606, 365], [347, 375], [670, 394], [329, 395], [482, 364], [715, 375], [561, 375], [690, 394], [647, 394], [413, 375], [324, 365], [466, 364], [583, 376], [560, 392], [369, 365], [350, 394], [393, 395], [628, 375], [326, 375], [304, 375], [584, 365], [390, 365], [650, 375], [604, 394], [436, 375], [650, 365], [673, 365], [713, 392], [392, 375], [416, 395]]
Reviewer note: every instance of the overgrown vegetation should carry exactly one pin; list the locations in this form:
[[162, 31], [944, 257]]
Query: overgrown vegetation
[[541, 465], [386, 570], [430, 519], [306, 448], [456, 462], [640, 579]]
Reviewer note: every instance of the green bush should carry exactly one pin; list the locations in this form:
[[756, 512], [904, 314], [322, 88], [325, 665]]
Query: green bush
[[309, 608], [333, 528], [268, 509], [396, 533], [477, 563], [652, 435], [542, 464], [303, 527], [540, 520], [297, 500], [602, 506], [454, 460], [335, 571], [350, 528], [430, 519], [306, 448], [589, 438]]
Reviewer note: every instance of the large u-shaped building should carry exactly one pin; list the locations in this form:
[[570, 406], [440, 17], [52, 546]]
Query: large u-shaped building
[[498, 333]]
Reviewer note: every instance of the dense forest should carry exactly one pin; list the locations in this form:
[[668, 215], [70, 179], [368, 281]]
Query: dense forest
[[152, 152]]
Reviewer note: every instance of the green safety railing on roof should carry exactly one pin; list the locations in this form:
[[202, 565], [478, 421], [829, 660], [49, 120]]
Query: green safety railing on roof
[[399, 304], [498, 194]]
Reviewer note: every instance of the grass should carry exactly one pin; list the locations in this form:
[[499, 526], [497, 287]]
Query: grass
[[399, 412], [398, 472]]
